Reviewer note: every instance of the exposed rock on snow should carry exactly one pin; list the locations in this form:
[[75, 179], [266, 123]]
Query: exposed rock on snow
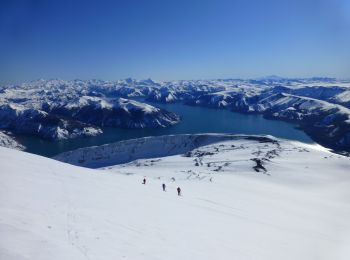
[[9, 142], [146, 147], [160, 146]]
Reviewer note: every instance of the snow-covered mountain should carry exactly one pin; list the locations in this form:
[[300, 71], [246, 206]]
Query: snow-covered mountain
[[243, 197], [58, 110], [118, 112], [319, 105], [22, 120]]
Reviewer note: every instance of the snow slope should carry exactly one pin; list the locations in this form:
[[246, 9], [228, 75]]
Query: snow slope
[[297, 208]]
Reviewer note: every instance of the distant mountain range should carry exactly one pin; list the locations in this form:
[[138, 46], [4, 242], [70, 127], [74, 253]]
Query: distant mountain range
[[58, 109]]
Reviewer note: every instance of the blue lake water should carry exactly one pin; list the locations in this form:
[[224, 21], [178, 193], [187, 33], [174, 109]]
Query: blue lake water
[[194, 120]]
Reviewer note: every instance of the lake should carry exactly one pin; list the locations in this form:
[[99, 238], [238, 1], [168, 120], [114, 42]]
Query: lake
[[194, 120]]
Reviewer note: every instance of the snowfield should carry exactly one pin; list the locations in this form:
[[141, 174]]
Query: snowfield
[[244, 197]]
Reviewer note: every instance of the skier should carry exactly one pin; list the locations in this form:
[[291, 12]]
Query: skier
[[178, 191], [144, 181], [164, 187]]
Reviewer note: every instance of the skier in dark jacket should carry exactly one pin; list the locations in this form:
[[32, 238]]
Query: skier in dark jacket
[[178, 191], [144, 181], [164, 187]]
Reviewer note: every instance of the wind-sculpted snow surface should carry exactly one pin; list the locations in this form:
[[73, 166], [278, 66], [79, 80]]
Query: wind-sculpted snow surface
[[242, 198], [319, 105]]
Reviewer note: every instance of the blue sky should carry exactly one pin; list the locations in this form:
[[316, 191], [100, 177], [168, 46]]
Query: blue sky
[[175, 39]]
